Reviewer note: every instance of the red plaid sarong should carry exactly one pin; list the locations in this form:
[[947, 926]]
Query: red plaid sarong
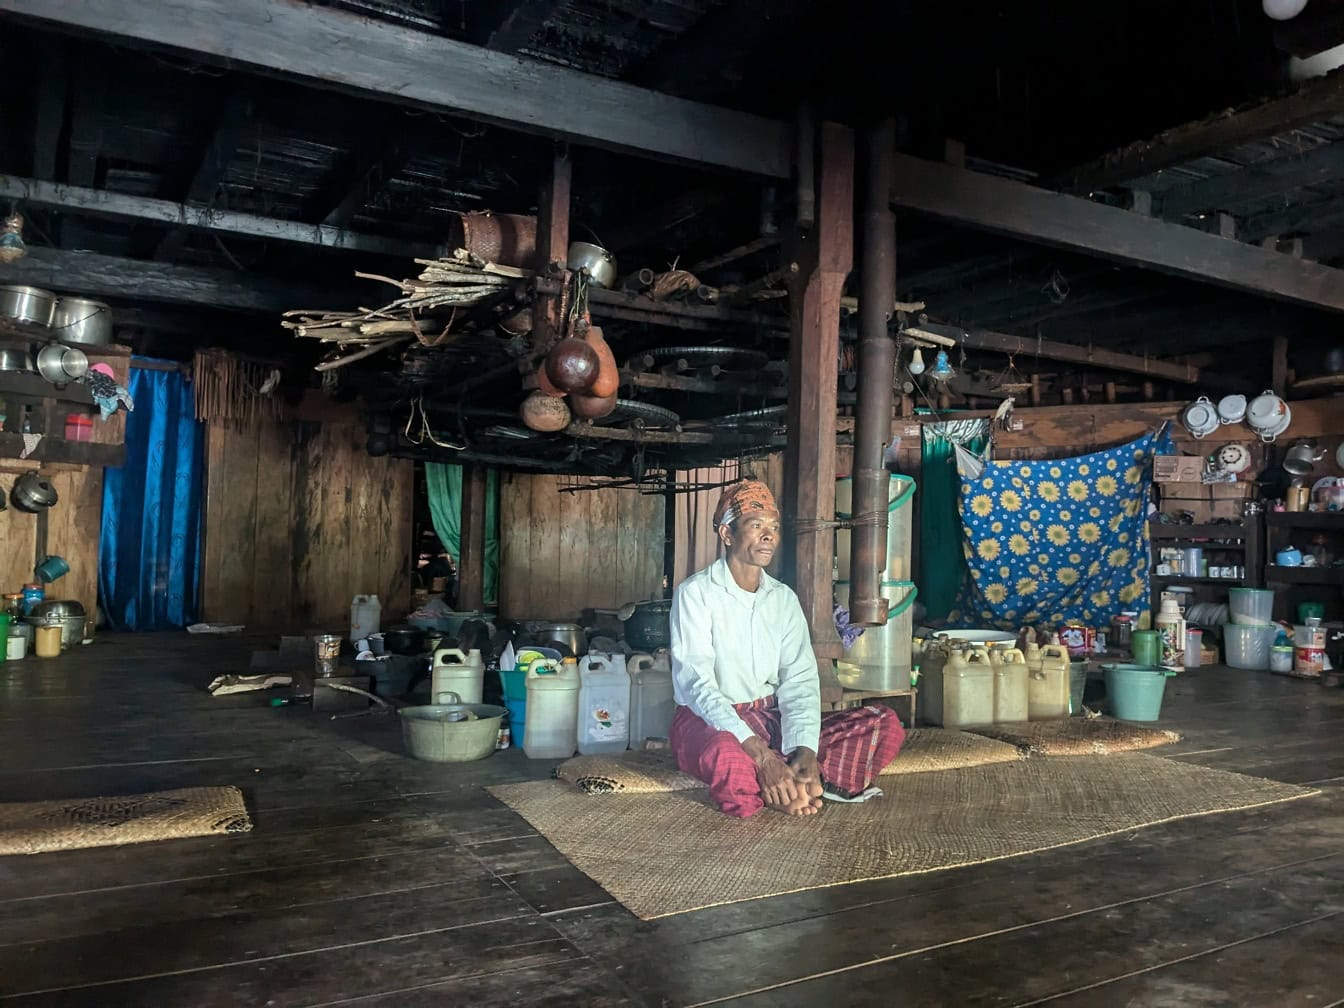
[[855, 746]]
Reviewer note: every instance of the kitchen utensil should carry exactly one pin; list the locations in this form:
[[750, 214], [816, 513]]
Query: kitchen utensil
[[572, 365], [67, 614], [15, 359], [570, 635], [1301, 457], [647, 628], [1270, 434], [597, 261], [32, 493], [1298, 498], [1339, 455], [1265, 410], [1289, 557], [61, 365], [404, 640], [80, 322], [27, 304], [1232, 409], [451, 733], [1234, 458], [1200, 418], [51, 569]]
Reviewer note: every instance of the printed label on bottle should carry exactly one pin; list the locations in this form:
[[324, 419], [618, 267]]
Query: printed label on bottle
[[606, 724]]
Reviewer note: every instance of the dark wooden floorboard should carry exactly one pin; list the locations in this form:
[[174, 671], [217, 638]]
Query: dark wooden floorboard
[[372, 879]]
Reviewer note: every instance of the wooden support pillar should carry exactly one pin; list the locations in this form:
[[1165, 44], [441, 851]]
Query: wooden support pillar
[[471, 561], [825, 255], [552, 251]]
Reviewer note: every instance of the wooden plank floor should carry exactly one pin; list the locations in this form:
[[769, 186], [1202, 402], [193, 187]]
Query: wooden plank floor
[[371, 879]]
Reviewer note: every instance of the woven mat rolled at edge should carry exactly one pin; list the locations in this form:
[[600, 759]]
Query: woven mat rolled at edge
[[655, 771], [1079, 736], [115, 820]]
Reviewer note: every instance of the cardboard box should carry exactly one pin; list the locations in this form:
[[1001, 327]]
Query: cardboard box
[[1178, 468], [1206, 501]]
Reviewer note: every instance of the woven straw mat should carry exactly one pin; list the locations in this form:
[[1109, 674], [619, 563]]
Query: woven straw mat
[[655, 771], [661, 854], [38, 827], [1078, 736]]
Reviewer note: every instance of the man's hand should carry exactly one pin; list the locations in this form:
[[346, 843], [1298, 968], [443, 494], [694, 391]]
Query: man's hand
[[778, 781], [803, 762]]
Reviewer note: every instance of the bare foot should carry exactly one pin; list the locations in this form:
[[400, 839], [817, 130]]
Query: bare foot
[[807, 803]]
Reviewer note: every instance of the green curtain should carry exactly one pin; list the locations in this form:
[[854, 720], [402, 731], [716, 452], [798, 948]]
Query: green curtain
[[443, 483], [941, 560]]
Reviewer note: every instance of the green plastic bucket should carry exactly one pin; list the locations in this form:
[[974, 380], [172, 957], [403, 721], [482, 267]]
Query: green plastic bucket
[[1135, 691]]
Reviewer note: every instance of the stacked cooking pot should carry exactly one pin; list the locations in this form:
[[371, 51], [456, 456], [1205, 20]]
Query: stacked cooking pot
[[69, 324]]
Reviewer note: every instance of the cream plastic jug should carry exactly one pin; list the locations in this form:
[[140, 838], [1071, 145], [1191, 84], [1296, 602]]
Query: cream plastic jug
[[460, 672], [931, 667], [48, 642], [1011, 684], [604, 705], [651, 704], [968, 689], [551, 729], [1048, 687], [366, 614]]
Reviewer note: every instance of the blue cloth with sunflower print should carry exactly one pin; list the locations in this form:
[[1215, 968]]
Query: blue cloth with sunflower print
[[1048, 542]]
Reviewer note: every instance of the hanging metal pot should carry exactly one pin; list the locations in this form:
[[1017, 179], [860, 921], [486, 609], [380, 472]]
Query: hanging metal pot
[[647, 627], [80, 322], [33, 492]]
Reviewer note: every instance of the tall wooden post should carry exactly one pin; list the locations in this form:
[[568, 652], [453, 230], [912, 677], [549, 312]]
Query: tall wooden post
[[824, 254], [471, 559], [552, 252]]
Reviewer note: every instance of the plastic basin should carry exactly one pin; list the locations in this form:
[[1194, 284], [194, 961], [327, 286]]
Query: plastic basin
[[430, 733], [1135, 691]]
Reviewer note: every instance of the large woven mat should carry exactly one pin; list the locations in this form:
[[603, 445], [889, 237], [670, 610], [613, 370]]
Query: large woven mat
[[662, 854], [1080, 736], [38, 827], [655, 771]]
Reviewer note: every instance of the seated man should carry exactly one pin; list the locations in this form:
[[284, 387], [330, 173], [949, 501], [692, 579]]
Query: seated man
[[749, 721]]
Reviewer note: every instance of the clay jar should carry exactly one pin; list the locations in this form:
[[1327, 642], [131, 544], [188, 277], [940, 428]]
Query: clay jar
[[572, 365]]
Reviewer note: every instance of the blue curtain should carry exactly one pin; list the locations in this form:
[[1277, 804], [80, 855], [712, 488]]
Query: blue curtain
[[150, 554], [1048, 542]]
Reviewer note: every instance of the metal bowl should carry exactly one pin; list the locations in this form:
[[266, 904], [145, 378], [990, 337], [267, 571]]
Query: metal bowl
[[597, 261]]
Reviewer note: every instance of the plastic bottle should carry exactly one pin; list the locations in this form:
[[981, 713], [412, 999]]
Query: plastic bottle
[[651, 704], [1011, 678], [1170, 624], [604, 705], [552, 709], [456, 671], [932, 665], [366, 613]]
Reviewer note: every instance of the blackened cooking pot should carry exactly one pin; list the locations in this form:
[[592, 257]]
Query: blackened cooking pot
[[647, 628], [405, 640]]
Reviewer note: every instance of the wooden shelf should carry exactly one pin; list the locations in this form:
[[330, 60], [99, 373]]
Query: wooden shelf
[[37, 387], [1160, 530], [1307, 519], [1230, 582], [54, 449], [1305, 575]]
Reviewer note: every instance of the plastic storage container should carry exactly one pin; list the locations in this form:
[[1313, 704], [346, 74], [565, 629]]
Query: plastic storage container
[[1048, 689], [651, 704], [1011, 677], [968, 689], [552, 709], [1248, 646], [604, 705], [1250, 606], [459, 672], [1170, 625], [1077, 684], [451, 733], [78, 427], [931, 667], [1146, 646], [1135, 691], [366, 613]]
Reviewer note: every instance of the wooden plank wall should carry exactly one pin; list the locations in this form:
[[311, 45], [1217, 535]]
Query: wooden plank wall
[[74, 526], [563, 552], [298, 519]]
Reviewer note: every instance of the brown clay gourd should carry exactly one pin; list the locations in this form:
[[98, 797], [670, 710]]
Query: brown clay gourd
[[572, 365], [608, 378], [592, 407], [542, 413], [544, 383]]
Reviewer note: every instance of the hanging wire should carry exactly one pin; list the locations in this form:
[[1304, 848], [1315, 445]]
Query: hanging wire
[[424, 434]]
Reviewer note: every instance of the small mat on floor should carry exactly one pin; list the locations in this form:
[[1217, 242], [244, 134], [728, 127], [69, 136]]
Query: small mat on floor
[[1079, 736], [39, 827], [655, 771], [662, 854]]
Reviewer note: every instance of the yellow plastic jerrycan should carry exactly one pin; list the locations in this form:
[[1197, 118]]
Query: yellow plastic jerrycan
[[968, 689], [1011, 684], [1048, 692]]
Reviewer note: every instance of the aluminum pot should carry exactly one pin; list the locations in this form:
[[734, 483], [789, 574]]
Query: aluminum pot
[[571, 635], [600, 264], [1301, 458], [32, 493], [64, 613], [27, 304], [405, 640], [647, 628], [80, 322], [61, 365], [15, 359]]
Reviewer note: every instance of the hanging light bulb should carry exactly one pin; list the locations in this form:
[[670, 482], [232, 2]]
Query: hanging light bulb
[[942, 370], [1283, 10], [12, 247], [916, 362]]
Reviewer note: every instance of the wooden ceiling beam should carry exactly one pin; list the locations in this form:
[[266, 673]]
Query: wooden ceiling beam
[[1324, 164], [1314, 100], [520, 21], [335, 49], [91, 274], [1050, 218], [103, 203], [362, 181]]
